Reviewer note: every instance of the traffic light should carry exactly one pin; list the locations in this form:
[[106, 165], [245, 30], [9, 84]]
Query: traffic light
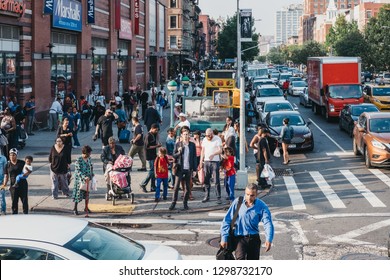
[[236, 98]]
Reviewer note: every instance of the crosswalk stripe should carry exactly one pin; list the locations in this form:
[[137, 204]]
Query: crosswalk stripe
[[384, 178], [372, 199], [327, 190], [172, 243], [293, 191]]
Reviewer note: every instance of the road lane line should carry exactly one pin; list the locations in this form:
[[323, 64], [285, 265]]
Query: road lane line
[[384, 178], [327, 190], [330, 138], [293, 191], [372, 199], [170, 232], [349, 236], [172, 243]]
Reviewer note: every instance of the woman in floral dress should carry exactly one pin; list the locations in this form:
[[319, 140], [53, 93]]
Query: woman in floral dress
[[83, 174]]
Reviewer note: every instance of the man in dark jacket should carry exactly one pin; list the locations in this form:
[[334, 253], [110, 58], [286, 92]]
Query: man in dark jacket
[[144, 97], [185, 158], [151, 116]]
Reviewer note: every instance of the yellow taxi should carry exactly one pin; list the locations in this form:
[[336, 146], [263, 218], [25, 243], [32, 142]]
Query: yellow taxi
[[379, 95]]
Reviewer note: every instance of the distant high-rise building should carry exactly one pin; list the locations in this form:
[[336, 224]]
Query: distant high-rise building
[[287, 23]]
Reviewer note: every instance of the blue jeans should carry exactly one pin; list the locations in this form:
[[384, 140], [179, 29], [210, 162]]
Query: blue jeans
[[230, 182], [75, 138], [165, 187], [150, 177], [20, 177], [3, 204]]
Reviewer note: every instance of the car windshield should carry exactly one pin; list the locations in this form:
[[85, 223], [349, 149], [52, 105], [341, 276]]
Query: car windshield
[[299, 84], [278, 107], [385, 91], [386, 75], [380, 125], [358, 110], [285, 76], [274, 75], [264, 92], [99, 243], [295, 120], [345, 91]]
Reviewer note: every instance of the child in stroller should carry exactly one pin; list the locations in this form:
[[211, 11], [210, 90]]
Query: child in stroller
[[118, 179]]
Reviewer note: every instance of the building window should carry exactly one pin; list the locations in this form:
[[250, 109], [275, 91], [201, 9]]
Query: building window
[[173, 22], [173, 42], [173, 4], [368, 14]]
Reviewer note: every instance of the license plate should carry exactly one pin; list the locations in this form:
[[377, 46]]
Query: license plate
[[292, 146]]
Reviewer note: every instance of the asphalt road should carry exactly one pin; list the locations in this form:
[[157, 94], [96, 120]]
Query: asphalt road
[[333, 207]]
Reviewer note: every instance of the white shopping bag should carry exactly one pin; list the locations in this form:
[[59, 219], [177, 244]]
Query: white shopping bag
[[267, 172], [277, 152]]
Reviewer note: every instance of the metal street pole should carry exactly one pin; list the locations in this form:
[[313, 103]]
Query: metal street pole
[[242, 173], [172, 86]]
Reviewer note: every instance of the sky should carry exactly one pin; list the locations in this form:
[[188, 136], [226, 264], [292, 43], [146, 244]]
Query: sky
[[261, 9]]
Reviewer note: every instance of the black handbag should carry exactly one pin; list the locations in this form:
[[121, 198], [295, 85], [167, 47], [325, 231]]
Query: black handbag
[[227, 253]]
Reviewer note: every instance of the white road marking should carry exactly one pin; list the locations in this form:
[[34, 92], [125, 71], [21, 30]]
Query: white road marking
[[340, 154], [299, 236], [349, 236], [212, 257], [372, 199], [327, 190], [113, 222], [384, 178], [293, 191], [330, 138]]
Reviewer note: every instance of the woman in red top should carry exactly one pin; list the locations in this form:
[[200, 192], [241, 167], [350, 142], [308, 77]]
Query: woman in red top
[[161, 173], [230, 172]]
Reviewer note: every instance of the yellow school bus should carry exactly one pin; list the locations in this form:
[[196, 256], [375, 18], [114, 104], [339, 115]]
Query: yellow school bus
[[218, 80]]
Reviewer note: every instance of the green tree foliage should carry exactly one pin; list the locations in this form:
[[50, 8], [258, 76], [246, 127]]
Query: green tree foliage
[[351, 44], [340, 29], [299, 54], [275, 56], [227, 41], [377, 35]]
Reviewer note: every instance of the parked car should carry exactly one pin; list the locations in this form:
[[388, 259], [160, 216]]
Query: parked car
[[50, 237], [371, 138], [276, 105], [304, 98], [303, 136], [386, 77], [350, 114], [367, 76], [296, 87]]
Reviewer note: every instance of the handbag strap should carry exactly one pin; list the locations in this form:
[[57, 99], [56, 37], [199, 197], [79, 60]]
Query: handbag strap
[[240, 200]]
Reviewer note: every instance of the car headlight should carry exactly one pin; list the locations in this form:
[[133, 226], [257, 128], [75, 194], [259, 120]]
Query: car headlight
[[378, 144], [307, 135], [331, 107]]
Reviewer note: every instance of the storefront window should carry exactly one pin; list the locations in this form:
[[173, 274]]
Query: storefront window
[[8, 78], [63, 75], [98, 68]]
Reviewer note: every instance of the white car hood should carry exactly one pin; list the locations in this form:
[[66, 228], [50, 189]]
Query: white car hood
[[158, 252]]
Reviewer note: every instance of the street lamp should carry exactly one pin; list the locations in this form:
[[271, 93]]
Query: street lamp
[[172, 86], [186, 83]]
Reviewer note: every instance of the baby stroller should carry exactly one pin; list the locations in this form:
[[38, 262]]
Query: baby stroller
[[118, 179], [22, 136]]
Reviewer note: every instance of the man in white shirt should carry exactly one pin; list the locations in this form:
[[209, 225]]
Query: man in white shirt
[[210, 161], [183, 122], [55, 110]]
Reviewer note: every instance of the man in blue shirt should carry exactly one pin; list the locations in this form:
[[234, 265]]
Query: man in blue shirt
[[30, 113], [246, 229]]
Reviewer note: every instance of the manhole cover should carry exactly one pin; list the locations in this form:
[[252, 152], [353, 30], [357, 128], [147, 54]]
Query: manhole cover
[[283, 172], [292, 216], [41, 154], [363, 256], [214, 242]]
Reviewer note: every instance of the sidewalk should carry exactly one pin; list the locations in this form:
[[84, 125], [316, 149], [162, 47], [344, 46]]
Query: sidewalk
[[40, 200]]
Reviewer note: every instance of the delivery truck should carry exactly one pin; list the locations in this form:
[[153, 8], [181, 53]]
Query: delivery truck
[[333, 82]]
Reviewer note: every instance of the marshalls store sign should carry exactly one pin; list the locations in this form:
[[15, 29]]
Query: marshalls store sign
[[67, 15]]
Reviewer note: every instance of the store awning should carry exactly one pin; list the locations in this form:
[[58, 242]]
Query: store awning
[[190, 60]]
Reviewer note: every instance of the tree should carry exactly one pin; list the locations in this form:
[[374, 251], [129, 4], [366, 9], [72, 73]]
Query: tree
[[351, 44], [275, 56], [227, 41], [377, 35]]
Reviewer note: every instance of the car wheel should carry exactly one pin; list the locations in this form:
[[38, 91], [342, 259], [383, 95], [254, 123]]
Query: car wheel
[[367, 159], [355, 149]]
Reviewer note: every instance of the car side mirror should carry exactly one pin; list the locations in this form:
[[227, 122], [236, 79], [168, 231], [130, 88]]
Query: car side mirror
[[361, 129], [309, 123]]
